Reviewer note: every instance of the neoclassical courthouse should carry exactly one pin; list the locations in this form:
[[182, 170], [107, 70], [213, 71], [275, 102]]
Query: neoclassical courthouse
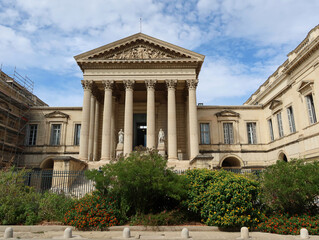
[[138, 86]]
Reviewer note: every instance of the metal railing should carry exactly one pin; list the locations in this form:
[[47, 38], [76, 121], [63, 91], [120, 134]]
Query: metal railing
[[71, 183], [234, 170]]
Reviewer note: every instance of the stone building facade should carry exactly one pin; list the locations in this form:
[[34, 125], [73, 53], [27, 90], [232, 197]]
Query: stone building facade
[[139, 85]]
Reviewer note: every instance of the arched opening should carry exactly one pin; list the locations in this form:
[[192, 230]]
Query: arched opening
[[46, 174], [47, 164], [283, 157], [231, 162]]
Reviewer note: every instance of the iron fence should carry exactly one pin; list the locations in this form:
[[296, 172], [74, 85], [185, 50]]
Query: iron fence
[[71, 183], [234, 170]]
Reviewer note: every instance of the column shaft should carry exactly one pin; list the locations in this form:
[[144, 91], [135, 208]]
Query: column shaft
[[96, 130], [107, 113], [171, 120], [113, 132], [84, 136], [128, 118], [91, 128], [193, 123], [150, 115]]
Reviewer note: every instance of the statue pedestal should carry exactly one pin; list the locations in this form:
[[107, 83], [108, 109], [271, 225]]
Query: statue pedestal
[[119, 149], [161, 149]]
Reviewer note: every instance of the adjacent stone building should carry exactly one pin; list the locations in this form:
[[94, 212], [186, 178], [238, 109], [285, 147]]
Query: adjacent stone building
[[139, 85]]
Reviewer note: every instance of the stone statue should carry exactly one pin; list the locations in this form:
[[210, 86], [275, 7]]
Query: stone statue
[[121, 136], [161, 136]]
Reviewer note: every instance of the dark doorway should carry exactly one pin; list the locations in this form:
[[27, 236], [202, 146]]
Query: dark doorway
[[140, 129]]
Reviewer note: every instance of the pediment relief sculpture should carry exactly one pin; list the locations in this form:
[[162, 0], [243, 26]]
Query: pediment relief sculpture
[[137, 52], [227, 113], [274, 104], [56, 114]]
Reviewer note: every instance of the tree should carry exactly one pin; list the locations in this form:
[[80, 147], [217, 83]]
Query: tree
[[141, 183], [291, 187]]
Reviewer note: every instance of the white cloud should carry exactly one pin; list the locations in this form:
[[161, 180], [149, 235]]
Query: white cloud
[[225, 78]]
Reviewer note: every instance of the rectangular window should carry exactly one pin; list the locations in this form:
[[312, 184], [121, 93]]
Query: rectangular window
[[311, 109], [271, 130], [251, 132], [55, 134], [228, 133], [291, 120], [77, 132], [280, 127], [32, 137], [204, 133]]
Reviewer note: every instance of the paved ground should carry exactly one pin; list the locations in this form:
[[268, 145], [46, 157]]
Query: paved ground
[[170, 233]]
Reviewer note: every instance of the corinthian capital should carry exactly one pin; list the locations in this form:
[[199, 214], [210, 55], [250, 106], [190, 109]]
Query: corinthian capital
[[129, 84], [108, 84], [87, 84], [171, 84], [150, 84], [192, 83]]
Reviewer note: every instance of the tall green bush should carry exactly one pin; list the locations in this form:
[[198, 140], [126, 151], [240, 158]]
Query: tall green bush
[[19, 204], [291, 186], [52, 206], [141, 183], [223, 198]]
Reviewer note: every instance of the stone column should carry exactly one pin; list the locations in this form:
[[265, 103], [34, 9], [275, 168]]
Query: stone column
[[91, 128], [192, 113], [128, 117], [171, 120], [113, 126], [150, 115], [84, 137], [107, 114], [96, 130]]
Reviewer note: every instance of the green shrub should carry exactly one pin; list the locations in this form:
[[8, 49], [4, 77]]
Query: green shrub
[[141, 183], [19, 204], [54, 206], [223, 198], [287, 224], [93, 212], [291, 187]]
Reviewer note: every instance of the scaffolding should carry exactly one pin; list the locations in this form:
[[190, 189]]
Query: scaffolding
[[16, 98]]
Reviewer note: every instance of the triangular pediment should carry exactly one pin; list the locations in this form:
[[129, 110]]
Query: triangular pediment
[[138, 47], [305, 85], [227, 113], [274, 104], [56, 114]]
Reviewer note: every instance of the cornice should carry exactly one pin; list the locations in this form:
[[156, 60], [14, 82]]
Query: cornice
[[238, 107], [56, 108]]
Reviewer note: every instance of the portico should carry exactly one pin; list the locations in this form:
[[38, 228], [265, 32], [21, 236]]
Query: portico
[[144, 76]]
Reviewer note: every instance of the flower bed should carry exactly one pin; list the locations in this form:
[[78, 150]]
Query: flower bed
[[286, 224], [93, 212]]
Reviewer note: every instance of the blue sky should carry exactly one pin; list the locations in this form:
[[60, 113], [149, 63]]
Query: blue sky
[[244, 41]]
